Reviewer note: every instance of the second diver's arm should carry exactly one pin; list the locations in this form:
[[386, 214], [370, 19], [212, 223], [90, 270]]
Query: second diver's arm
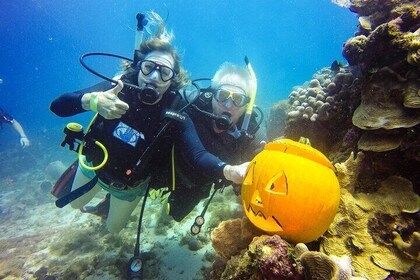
[[206, 162]]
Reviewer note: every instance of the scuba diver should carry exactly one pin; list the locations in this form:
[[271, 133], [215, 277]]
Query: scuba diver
[[137, 123], [217, 114], [5, 118], [8, 119]]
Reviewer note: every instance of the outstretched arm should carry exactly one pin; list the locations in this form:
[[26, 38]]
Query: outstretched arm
[[206, 162], [24, 141]]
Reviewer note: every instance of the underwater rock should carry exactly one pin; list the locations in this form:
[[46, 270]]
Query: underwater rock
[[272, 257], [45, 186], [227, 244], [54, 170]]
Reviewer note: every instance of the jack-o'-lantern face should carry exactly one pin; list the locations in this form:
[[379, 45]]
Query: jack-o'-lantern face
[[290, 189]]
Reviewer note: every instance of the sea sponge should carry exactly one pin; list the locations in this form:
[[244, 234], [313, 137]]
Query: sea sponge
[[227, 244], [266, 258]]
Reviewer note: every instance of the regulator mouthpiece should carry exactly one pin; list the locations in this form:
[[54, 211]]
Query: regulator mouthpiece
[[223, 122], [149, 94]]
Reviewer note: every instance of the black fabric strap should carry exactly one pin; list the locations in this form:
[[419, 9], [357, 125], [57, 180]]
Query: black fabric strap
[[63, 201]]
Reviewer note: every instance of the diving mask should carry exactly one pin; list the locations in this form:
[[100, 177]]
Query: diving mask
[[239, 99], [147, 67]]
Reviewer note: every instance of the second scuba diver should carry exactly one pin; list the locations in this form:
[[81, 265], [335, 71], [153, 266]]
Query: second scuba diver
[[128, 123], [228, 96]]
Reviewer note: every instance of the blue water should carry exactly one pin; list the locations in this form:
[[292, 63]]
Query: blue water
[[41, 41]]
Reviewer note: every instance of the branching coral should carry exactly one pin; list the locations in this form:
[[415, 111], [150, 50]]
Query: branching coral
[[348, 171], [412, 248]]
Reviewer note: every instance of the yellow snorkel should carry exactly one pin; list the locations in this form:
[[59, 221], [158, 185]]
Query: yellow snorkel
[[248, 112]]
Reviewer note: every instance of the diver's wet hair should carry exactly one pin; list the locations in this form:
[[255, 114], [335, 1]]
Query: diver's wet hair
[[231, 74]]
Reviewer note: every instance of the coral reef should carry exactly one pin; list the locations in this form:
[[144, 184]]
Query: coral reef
[[372, 104], [277, 120], [317, 265], [267, 257], [372, 257], [365, 117], [227, 244], [321, 104], [382, 102], [391, 36], [412, 248], [348, 171]]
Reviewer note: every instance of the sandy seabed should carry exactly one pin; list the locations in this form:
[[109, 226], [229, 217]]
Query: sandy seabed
[[40, 241]]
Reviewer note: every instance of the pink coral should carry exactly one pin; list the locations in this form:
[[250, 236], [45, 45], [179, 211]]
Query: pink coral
[[274, 261]]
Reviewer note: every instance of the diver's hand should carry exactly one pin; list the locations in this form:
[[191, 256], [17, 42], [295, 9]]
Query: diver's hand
[[106, 103], [24, 141], [235, 173]]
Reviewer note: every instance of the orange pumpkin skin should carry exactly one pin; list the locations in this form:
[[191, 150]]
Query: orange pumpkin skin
[[291, 190]]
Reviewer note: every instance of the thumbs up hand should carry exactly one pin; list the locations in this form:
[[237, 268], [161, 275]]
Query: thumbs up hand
[[106, 103]]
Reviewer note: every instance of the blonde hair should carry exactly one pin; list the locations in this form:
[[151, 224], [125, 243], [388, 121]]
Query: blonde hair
[[161, 41], [231, 74]]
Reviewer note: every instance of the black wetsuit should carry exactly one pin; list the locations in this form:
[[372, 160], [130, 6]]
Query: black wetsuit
[[5, 118], [127, 138], [191, 184]]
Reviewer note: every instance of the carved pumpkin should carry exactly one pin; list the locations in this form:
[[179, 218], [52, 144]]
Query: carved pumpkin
[[290, 189]]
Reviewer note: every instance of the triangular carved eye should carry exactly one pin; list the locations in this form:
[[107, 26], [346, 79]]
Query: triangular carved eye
[[278, 184], [249, 178], [256, 198]]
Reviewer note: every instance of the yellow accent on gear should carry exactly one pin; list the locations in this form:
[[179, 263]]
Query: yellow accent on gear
[[77, 128]]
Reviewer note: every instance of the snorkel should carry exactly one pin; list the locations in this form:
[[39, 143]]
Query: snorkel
[[142, 21], [149, 93], [252, 96]]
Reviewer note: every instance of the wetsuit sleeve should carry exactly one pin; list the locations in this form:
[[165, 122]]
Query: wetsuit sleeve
[[199, 157], [5, 117], [70, 104]]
